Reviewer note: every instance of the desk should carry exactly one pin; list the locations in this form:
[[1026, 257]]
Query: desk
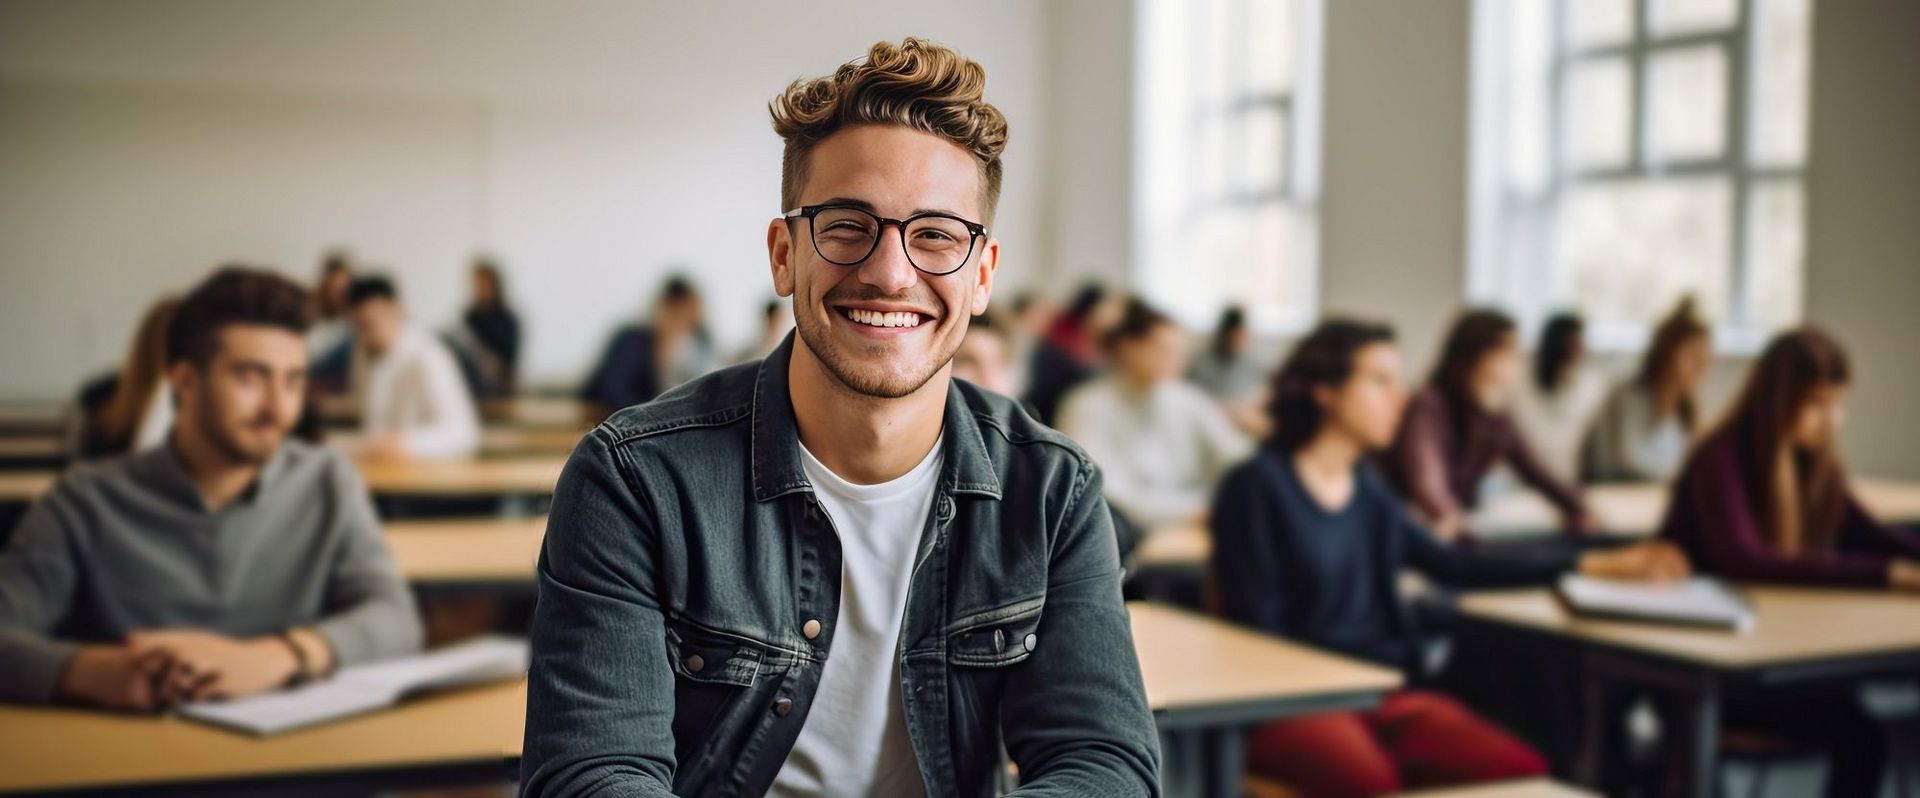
[[1178, 545], [510, 441], [518, 476], [32, 451], [1209, 681], [1525, 788], [468, 735], [1800, 635], [468, 552], [32, 418], [1636, 510], [530, 411], [23, 487]]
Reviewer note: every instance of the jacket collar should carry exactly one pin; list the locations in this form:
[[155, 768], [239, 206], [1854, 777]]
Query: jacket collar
[[775, 444]]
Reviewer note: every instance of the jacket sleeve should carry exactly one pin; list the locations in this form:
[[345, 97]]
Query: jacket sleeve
[[600, 691], [1074, 715]]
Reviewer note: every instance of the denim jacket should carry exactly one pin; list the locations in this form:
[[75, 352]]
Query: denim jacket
[[686, 555]]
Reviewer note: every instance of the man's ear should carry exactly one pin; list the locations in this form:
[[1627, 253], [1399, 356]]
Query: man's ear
[[780, 256], [182, 377], [983, 281]]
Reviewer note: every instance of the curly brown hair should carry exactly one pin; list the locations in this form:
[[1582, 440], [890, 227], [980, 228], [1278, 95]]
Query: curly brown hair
[[915, 84]]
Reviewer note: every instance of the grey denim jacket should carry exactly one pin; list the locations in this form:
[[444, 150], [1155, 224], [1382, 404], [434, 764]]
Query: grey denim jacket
[[686, 553]]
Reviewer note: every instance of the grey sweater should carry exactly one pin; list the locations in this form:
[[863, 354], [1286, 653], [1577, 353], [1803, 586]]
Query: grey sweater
[[127, 544]]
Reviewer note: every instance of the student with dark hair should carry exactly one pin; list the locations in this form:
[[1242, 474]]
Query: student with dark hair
[[331, 337], [494, 329], [1227, 369], [644, 360], [776, 320], [1764, 498], [229, 560], [1161, 443], [1309, 544], [1069, 352], [1556, 406], [412, 399], [1646, 427], [1457, 429]]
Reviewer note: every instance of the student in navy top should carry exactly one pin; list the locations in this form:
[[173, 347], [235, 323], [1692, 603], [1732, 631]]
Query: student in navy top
[[1765, 499], [1308, 544], [1457, 430]]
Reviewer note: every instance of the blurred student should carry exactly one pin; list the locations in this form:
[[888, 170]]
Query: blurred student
[[1027, 323], [1457, 429], [1557, 405], [1227, 369], [1647, 425], [132, 409], [412, 399], [227, 561], [1069, 351], [330, 339], [1764, 498], [494, 329], [776, 320], [1309, 543], [983, 357], [644, 360], [1160, 442]]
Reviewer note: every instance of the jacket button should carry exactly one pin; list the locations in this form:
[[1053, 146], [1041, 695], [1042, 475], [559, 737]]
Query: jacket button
[[811, 629], [782, 706], [1031, 641], [695, 662]]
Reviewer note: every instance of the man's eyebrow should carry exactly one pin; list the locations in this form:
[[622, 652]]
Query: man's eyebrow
[[855, 202]]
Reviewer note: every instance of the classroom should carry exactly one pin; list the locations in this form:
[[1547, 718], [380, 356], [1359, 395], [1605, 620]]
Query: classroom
[[1184, 398]]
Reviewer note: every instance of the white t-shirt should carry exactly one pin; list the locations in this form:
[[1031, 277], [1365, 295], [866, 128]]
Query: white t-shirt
[[855, 742]]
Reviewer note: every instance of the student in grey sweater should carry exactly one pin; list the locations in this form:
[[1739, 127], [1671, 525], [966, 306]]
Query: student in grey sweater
[[227, 562]]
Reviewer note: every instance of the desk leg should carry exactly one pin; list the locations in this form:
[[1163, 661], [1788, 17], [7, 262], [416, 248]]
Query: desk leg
[[1227, 759], [1702, 761], [1182, 766], [1593, 728]]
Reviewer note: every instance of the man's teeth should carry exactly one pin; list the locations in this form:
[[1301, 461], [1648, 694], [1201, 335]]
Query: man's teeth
[[878, 319]]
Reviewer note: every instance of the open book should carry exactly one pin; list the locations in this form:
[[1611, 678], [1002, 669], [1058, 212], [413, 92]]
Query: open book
[[1699, 601], [365, 688]]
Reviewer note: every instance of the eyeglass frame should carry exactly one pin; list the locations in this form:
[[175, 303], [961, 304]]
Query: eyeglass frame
[[807, 212]]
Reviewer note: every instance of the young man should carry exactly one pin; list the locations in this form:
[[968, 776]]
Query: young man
[[412, 400], [229, 561], [838, 571]]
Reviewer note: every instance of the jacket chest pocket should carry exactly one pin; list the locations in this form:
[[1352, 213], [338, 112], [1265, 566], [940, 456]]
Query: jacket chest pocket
[[996, 638]]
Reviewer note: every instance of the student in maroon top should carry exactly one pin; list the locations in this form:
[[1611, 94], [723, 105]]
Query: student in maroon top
[[1764, 498], [1458, 429]]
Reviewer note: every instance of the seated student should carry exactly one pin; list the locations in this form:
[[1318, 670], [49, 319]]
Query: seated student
[[331, 337], [412, 400], [130, 410], [643, 360], [494, 330], [983, 358], [1160, 442], [1644, 430], [1309, 543], [1556, 407], [1231, 374], [1068, 350], [1457, 429], [1764, 498], [229, 560], [776, 320]]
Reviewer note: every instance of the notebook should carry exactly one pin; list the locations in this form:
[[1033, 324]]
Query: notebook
[[365, 688], [1699, 601]]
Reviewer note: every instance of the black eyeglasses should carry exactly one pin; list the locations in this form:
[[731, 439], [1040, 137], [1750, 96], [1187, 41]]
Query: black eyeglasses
[[936, 243]]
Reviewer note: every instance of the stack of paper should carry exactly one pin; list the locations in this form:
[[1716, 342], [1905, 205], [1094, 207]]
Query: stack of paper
[[365, 688], [1699, 601]]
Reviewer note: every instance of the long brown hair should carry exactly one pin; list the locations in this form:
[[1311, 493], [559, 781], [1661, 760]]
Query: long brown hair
[[1800, 495], [141, 373], [1678, 329], [1474, 334]]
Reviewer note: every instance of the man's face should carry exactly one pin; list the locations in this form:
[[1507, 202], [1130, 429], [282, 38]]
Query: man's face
[[377, 321], [894, 172], [248, 395]]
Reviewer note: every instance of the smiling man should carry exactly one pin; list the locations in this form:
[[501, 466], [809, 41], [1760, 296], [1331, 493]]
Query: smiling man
[[838, 571]]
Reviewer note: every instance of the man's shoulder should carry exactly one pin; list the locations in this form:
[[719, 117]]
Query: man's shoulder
[[719, 398], [1006, 425]]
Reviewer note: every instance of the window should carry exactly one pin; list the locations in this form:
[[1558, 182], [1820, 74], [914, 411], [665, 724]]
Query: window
[[1629, 152], [1227, 159]]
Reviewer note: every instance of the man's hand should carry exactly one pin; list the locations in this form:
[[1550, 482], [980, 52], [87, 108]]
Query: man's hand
[[1651, 561], [205, 665], [113, 677]]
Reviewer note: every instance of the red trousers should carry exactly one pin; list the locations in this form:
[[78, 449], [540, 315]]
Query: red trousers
[[1414, 740]]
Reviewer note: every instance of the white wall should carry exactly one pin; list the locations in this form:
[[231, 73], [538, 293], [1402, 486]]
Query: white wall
[[1863, 219], [591, 145]]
